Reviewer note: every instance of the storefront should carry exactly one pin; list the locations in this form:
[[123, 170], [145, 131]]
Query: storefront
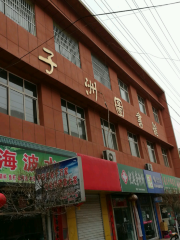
[[126, 216], [18, 159]]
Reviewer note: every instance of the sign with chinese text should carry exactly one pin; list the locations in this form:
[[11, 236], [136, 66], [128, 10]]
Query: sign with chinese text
[[15, 161], [153, 182], [132, 179], [67, 176], [171, 184]]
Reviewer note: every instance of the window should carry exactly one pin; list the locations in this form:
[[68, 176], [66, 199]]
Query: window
[[123, 91], [101, 72], [109, 135], [18, 97], [141, 104], [133, 143], [73, 120], [165, 157], [21, 12], [66, 45], [151, 152], [155, 112]]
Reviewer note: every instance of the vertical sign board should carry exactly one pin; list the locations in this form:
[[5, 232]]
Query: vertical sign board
[[153, 182], [68, 176], [171, 184], [16, 161], [132, 179]]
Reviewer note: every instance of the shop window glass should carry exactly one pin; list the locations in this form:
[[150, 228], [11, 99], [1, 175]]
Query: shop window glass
[[73, 120], [133, 143], [109, 135], [20, 95], [123, 219]]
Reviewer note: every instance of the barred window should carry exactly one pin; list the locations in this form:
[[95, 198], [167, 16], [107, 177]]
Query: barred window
[[73, 120], [18, 97], [101, 72], [123, 91], [165, 157], [133, 143], [66, 45], [21, 12], [151, 152], [142, 104], [109, 135], [155, 112]]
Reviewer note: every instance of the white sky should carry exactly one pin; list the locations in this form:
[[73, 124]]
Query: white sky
[[154, 32]]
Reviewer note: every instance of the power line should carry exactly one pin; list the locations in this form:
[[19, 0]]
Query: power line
[[131, 36], [152, 30]]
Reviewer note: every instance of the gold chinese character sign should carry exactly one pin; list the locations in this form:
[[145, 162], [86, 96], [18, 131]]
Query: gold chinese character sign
[[48, 60], [91, 86], [119, 106], [154, 127], [139, 119]]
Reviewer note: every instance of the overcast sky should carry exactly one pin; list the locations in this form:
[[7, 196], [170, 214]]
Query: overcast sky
[[152, 37]]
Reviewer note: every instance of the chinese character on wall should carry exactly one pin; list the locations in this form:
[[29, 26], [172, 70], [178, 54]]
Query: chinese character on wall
[[119, 106], [91, 86], [48, 60], [155, 129], [139, 119]]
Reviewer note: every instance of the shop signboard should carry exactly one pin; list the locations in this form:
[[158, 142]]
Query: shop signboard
[[16, 162], [153, 182], [132, 179], [66, 176], [171, 184]]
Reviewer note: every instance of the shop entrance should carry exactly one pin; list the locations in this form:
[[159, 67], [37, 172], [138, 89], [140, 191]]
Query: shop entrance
[[123, 219], [148, 217]]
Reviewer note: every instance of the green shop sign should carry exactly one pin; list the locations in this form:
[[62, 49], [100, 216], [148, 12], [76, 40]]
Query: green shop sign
[[132, 179], [16, 161], [171, 184]]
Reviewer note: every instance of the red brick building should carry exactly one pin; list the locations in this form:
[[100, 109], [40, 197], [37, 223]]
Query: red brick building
[[69, 108]]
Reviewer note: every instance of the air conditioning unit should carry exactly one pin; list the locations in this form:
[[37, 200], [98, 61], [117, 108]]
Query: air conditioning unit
[[109, 155], [148, 167]]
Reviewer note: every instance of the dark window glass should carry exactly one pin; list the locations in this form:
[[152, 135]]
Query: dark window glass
[[73, 120], [15, 82], [16, 104], [30, 89], [109, 135], [65, 123], [3, 100], [30, 110], [3, 76], [133, 143]]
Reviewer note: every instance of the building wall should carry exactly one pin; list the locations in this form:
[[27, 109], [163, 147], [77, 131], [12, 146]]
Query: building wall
[[67, 81]]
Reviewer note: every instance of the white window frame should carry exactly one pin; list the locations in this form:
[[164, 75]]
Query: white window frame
[[9, 88], [122, 88], [142, 103], [67, 114], [101, 71], [135, 143], [151, 148], [165, 157], [155, 112], [65, 43], [15, 10], [105, 140]]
